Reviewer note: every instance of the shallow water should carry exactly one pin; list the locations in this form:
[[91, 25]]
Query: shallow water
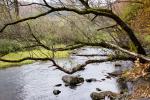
[[37, 81]]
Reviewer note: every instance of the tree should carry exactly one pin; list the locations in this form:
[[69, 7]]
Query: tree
[[81, 7], [87, 10]]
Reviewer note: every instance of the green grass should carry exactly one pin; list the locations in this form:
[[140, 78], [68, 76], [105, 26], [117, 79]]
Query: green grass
[[33, 53]]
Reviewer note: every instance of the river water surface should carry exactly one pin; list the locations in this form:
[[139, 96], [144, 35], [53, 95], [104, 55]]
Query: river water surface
[[37, 81]]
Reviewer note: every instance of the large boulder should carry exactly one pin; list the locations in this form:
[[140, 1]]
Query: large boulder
[[72, 80], [102, 95]]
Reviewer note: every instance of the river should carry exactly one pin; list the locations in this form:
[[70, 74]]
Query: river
[[37, 81]]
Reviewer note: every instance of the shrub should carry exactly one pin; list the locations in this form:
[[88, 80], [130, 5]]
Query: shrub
[[7, 46]]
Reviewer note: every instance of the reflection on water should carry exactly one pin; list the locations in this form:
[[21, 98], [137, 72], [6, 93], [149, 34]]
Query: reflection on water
[[36, 81]]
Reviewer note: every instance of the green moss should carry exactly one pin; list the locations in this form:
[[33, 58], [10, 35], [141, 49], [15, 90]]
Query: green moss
[[41, 53]]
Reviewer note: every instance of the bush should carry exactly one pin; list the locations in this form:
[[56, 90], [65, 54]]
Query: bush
[[7, 46]]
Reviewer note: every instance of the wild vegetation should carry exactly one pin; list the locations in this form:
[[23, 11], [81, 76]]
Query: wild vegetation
[[52, 29]]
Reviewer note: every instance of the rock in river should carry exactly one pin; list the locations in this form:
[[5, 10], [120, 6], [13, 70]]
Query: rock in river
[[72, 80], [117, 65], [115, 73], [98, 89], [102, 95], [91, 80], [56, 92], [58, 85]]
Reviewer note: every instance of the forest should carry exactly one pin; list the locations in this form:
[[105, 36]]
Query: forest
[[60, 49]]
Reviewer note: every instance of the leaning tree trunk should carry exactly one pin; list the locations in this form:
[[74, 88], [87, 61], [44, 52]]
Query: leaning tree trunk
[[130, 33]]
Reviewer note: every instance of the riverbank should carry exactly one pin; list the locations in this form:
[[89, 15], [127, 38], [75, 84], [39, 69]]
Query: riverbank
[[40, 53], [136, 82]]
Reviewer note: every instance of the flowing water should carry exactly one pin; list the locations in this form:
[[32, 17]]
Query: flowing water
[[37, 81]]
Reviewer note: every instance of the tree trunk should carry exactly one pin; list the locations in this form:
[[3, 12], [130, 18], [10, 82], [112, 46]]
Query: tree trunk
[[131, 34]]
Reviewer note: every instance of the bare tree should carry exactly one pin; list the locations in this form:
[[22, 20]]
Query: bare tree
[[80, 7]]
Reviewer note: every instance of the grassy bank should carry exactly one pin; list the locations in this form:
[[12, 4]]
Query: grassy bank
[[33, 53]]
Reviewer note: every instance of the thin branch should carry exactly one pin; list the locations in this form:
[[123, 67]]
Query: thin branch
[[62, 3], [69, 48], [37, 40], [26, 47], [91, 55], [25, 19], [34, 3], [128, 1], [46, 3], [94, 17], [107, 27], [24, 59], [85, 3]]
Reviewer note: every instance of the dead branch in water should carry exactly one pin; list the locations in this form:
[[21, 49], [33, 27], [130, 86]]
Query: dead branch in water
[[70, 70]]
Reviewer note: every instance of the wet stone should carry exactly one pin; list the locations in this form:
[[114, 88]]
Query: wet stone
[[58, 85], [117, 65], [74, 53], [102, 95], [103, 79], [72, 80], [90, 80], [115, 74], [56, 92], [108, 77], [98, 89]]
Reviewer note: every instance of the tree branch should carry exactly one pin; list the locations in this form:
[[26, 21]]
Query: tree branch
[[112, 26], [47, 4], [99, 12], [102, 12], [113, 46], [34, 3], [128, 1], [85, 3], [24, 59], [91, 55], [71, 70], [25, 19]]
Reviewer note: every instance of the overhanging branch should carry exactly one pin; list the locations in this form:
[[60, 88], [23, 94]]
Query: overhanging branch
[[25, 19], [102, 12], [99, 12], [113, 46], [71, 70], [24, 59]]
